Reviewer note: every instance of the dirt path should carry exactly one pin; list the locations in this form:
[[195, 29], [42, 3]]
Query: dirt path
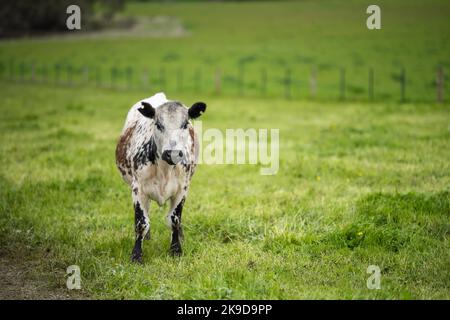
[[18, 281]]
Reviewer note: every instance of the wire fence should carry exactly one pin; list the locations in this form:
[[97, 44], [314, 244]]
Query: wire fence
[[332, 84]]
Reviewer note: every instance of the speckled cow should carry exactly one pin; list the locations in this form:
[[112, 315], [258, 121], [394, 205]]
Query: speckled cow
[[156, 154]]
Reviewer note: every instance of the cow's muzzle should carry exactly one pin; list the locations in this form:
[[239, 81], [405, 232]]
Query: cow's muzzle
[[172, 157]]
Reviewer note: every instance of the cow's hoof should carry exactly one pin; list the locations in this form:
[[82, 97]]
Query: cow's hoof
[[136, 257], [175, 250]]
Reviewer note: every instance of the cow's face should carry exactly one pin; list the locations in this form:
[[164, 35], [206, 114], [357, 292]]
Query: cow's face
[[172, 128]]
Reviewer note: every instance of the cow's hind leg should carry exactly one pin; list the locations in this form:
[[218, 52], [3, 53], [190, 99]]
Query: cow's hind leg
[[174, 221], [141, 222]]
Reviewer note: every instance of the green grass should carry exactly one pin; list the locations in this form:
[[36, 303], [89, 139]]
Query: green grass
[[358, 184]]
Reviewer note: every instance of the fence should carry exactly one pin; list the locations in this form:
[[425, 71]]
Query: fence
[[334, 83]]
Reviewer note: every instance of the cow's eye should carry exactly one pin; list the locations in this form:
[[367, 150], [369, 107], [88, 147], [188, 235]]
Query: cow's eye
[[185, 125], [159, 126]]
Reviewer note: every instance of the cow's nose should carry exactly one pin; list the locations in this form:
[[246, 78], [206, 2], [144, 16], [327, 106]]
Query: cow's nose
[[172, 157], [166, 157]]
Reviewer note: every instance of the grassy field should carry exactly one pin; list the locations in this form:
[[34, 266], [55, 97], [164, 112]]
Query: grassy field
[[359, 183]]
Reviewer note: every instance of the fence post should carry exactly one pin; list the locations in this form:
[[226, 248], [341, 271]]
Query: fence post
[[98, 76], [342, 83], [162, 78], [144, 79], [198, 80], [150, 81], [33, 71], [86, 74], [287, 83], [37, 73], [440, 84], [218, 82], [57, 73], [69, 74], [371, 84], [402, 84], [113, 76], [129, 72], [11, 69], [22, 72], [179, 79], [45, 73], [313, 82], [241, 79], [263, 82]]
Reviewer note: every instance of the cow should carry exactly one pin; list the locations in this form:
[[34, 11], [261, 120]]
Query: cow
[[156, 155]]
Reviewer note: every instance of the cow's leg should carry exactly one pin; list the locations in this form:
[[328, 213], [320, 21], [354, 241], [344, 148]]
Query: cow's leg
[[147, 235], [141, 222], [174, 222]]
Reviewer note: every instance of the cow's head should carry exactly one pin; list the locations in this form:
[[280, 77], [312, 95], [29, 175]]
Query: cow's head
[[172, 128]]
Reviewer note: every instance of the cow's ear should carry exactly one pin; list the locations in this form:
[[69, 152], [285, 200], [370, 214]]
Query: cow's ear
[[147, 110], [196, 110]]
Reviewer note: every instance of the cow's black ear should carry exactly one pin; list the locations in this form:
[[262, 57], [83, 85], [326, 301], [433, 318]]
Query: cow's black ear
[[196, 110], [147, 110]]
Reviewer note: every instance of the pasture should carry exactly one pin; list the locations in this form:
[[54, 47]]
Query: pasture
[[360, 183]]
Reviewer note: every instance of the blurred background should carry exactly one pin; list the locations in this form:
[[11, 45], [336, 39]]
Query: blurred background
[[363, 117]]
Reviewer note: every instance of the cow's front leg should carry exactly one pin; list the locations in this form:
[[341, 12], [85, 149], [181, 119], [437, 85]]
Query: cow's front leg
[[174, 222], [141, 222]]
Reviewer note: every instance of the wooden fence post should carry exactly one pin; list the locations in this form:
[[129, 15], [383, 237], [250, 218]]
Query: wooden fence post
[[218, 81], [150, 81], [342, 83], [98, 76], [287, 82], [113, 76], [129, 73], [198, 80], [179, 79], [45, 73], [440, 84], [371, 84], [263, 82], [38, 74], [241, 79], [313, 82], [85, 74], [144, 79], [162, 78], [33, 71], [402, 84], [69, 74], [22, 72], [57, 73], [11, 69]]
